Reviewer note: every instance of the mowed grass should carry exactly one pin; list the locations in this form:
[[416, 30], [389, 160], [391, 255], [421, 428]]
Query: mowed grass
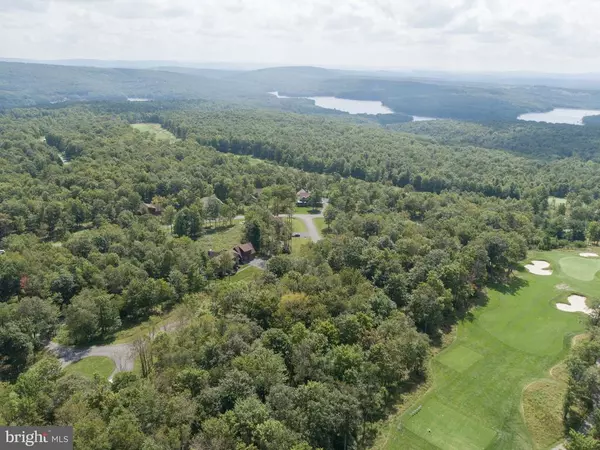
[[245, 274], [477, 398], [223, 237], [583, 269], [298, 226], [87, 367], [155, 129], [320, 224]]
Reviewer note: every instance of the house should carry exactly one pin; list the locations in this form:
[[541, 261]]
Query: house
[[206, 200], [302, 197], [155, 210], [245, 252]]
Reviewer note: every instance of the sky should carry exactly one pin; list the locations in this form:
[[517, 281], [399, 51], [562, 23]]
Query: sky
[[457, 35]]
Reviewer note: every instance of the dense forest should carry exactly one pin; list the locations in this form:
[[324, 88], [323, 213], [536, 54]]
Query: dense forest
[[581, 402], [370, 153], [541, 141], [316, 350]]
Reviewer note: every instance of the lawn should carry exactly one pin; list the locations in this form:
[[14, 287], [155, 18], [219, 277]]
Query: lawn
[[320, 224], [492, 387], [157, 130], [87, 367], [222, 238], [247, 273], [298, 226]]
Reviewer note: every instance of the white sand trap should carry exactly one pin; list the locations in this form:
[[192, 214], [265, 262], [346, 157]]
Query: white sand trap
[[577, 304], [589, 255], [539, 268]]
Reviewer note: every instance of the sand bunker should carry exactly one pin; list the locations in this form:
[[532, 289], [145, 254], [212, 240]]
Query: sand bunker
[[589, 255], [563, 287], [539, 268], [577, 304]]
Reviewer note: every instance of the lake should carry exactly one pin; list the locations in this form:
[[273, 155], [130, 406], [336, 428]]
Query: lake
[[560, 115], [352, 106], [347, 105]]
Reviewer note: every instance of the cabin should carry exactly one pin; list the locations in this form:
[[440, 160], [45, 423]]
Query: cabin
[[245, 252], [153, 209], [302, 197]]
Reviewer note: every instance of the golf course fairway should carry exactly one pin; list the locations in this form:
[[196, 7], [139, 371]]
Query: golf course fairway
[[477, 384]]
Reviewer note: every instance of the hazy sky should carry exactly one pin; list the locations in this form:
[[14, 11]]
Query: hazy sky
[[538, 35]]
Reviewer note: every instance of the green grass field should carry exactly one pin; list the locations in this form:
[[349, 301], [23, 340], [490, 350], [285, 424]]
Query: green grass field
[[476, 399], [298, 226], [87, 367], [246, 274], [155, 129], [320, 224], [222, 238], [299, 246], [555, 201]]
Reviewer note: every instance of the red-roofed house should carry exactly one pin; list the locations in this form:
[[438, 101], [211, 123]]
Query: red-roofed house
[[245, 252]]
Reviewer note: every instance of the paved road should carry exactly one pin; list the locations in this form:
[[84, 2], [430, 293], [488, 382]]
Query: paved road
[[311, 228], [123, 355]]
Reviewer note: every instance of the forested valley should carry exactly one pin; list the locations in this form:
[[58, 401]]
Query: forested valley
[[371, 153], [315, 351]]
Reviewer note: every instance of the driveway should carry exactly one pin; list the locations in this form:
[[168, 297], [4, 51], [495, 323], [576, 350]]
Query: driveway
[[121, 354], [311, 229]]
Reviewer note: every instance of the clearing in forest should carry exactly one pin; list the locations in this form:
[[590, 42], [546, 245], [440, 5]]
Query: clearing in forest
[[556, 201], [476, 399], [156, 129]]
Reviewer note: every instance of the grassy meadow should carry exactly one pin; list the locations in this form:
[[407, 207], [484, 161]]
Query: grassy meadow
[[155, 129]]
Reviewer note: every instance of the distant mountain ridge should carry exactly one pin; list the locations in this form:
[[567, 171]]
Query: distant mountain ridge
[[26, 84]]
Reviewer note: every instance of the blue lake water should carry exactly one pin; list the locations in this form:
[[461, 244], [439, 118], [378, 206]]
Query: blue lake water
[[560, 115], [351, 106]]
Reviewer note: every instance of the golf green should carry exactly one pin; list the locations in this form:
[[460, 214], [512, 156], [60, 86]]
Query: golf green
[[583, 269], [474, 401]]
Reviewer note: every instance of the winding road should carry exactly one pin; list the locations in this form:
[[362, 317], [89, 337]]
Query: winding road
[[123, 355]]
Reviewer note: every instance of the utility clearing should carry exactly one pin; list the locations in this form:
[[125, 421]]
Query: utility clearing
[[503, 351]]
